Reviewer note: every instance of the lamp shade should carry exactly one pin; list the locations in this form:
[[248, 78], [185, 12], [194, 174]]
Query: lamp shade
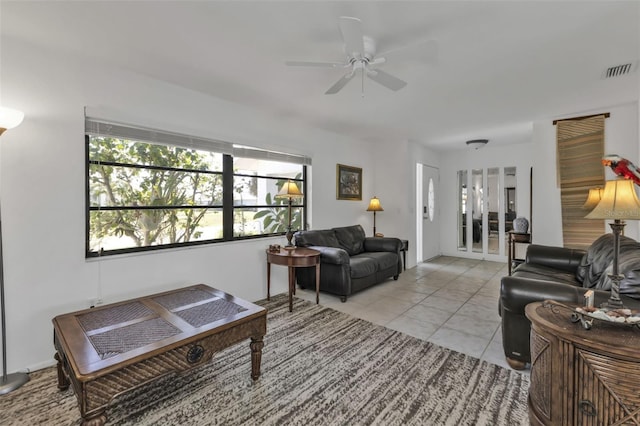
[[289, 190], [594, 197], [10, 118], [619, 201], [374, 205]]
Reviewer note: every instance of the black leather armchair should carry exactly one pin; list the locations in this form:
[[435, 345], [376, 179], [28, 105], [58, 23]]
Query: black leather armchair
[[349, 261], [562, 275]]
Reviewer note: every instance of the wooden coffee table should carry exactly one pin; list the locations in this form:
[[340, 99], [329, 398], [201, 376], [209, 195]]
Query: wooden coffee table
[[111, 349]]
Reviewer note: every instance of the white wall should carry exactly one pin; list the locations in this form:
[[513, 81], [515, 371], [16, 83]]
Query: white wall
[[395, 184], [621, 137], [43, 192]]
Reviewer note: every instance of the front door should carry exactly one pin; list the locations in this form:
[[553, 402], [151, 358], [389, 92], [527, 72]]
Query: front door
[[430, 212]]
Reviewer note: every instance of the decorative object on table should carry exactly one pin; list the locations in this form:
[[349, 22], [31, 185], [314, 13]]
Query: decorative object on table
[[289, 191], [274, 248], [374, 206], [588, 298], [619, 202], [621, 316], [594, 197], [9, 118], [348, 182], [520, 225], [622, 167]]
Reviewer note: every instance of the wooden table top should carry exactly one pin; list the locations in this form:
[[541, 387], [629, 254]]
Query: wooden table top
[[296, 252], [110, 336], [622, 339]]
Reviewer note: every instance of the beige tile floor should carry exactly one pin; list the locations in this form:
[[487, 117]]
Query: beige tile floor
[[452, 302]]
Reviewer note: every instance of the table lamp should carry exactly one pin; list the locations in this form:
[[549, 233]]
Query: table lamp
[[374, 206], [289, 191], [594, 197], [619, 202]]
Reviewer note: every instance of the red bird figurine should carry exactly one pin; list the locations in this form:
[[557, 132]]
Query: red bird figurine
[[622, 167]]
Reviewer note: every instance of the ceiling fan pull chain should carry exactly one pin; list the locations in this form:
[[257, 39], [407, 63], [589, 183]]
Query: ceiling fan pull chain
[[362, 89]]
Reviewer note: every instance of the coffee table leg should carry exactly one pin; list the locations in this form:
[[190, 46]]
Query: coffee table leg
[[63, 380], [256, 356]]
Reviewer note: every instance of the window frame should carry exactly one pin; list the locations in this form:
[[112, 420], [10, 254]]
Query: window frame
[[227, 206]]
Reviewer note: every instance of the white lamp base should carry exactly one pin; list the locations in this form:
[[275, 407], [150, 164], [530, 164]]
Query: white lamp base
[[12, 382]]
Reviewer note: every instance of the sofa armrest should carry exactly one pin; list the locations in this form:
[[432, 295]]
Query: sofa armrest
[[334, 255], [561, 258], [516, 293], [391, 244]]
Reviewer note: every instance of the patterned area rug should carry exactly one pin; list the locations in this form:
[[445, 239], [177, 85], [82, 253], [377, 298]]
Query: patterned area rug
[[319, 367]]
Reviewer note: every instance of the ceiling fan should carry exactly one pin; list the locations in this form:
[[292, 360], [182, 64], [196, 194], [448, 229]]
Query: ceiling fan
[[362, 56]]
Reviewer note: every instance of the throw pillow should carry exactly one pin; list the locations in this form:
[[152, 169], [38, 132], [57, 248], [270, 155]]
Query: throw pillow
[[595, 261]]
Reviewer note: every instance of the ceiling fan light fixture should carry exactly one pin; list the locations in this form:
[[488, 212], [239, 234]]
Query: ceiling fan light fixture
[[477, 143]]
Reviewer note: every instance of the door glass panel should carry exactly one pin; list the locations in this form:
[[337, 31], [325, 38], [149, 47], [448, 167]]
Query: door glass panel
[[431, 199], [493, 207], [477, 209], [462, 210], [509, 197]]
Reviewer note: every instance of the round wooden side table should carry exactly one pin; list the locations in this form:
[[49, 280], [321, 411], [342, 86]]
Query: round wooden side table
[[298, 257], [579, 376]]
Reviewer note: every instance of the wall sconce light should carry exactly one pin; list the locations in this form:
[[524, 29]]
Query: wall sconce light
[[289, 191], [374, 206], [9, 118]]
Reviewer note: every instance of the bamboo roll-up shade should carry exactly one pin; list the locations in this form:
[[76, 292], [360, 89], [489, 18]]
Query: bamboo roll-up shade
[[580, 145]]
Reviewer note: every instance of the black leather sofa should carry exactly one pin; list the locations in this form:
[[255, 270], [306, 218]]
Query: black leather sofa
[[563, 275], [349, 261]]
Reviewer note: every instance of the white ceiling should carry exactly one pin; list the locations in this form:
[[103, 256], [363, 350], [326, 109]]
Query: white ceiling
[[500, 65]]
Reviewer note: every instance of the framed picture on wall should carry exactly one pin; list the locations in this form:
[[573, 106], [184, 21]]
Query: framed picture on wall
[[348, 182]]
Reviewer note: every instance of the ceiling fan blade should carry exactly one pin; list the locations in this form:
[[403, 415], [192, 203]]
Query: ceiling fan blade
[[340, 84], [315, 64], [424, 52], [351, 30], [386, 79]]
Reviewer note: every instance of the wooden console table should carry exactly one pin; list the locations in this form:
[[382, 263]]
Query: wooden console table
[[298, 257], [582, 377], [516, 238], [105, 351]]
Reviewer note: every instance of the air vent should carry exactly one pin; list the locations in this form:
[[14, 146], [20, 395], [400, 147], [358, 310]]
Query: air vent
[[620, 70]]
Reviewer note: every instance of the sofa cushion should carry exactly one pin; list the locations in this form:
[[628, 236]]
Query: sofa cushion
[[383, 259], [351, 238], [323, 237], [362, 266], [595, 261]]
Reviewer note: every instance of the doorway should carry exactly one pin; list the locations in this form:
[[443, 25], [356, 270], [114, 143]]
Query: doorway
[[427, 220]]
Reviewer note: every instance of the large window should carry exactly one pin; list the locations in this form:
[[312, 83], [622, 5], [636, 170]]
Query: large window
[[148, 190], [256, 210]]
